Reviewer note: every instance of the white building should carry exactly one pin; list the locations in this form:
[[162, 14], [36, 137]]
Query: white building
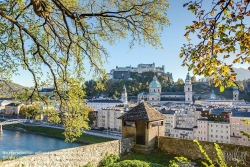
[[183, 133], [237, 125], [13, 108], [107, 118], [219, 132], [3, 103], [98, 104], [155, 96], [201, 130], [170, 121]]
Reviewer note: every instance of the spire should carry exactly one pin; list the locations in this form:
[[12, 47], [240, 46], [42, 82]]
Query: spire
[[155, 78], [187, 77], [124, 88]]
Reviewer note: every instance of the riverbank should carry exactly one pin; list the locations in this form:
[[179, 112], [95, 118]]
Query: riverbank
[[55, 133]]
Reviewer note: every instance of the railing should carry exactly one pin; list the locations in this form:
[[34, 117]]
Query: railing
[[13, 121]]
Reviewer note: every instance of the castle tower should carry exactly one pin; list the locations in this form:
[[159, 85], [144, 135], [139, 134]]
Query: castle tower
[[235, 93], [124, 95], [188, 89]]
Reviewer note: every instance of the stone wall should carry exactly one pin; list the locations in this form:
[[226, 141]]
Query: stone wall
[[153, 132], [78, 156], [190, 149]]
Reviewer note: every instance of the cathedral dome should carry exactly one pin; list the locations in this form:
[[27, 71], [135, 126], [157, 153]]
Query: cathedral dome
[[154, 83]]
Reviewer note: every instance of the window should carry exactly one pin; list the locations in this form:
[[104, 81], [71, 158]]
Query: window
[[211, 135]]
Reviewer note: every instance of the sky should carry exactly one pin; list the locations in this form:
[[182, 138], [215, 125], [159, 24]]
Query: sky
[[172, 40]]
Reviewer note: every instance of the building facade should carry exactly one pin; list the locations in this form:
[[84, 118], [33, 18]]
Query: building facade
[[98, 104], [155, 96], [219, 132], [107, 118], [12, 108], [237, 125]]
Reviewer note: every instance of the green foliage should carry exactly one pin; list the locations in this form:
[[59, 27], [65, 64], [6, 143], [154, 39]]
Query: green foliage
[[54, 39], [140, 83], [113, 160], [135, 163], [31, 112], [89, 165], [109, 160], [92, 117], [223, 33], [180, 160]]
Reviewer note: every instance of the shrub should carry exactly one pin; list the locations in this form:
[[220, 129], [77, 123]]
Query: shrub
[[109, 160], [135, 163], [89, 165]]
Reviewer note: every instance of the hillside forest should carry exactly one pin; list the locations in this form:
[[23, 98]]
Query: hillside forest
[[140, 83]]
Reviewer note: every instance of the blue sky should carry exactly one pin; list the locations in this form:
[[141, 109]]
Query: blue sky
[[172, 40]]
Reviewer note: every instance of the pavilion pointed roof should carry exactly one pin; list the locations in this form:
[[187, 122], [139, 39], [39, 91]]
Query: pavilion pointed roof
[[142, 112]]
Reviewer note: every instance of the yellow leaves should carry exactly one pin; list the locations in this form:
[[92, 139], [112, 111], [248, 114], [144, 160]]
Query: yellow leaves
[[236, 60], [212, 12], [225, 11], [222, 88], [186, 35]]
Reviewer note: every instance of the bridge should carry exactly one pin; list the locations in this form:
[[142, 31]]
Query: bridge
[[11, 121]]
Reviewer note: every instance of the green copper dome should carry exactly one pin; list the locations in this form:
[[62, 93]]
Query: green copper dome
[[154, 83], [235, 88]]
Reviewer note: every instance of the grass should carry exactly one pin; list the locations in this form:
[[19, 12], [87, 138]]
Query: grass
[[155, 157], [57, 133]]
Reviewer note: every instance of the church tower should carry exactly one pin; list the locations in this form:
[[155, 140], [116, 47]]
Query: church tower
[[188, 89], [235, 94], [124, 95]]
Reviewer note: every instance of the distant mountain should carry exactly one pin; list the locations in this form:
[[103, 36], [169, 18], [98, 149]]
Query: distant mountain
[[5, 89], [242, 74]]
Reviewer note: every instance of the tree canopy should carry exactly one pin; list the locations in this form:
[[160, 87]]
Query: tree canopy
[[223, 33], [56, 37]]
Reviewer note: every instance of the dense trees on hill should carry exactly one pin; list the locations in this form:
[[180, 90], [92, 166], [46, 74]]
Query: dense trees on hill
[[140, 83]]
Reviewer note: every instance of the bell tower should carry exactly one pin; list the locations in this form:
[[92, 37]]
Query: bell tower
[[188, 89], [235, 93], [124, 97]]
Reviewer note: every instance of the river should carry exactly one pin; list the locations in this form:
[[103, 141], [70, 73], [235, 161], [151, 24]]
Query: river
[[16, 144]]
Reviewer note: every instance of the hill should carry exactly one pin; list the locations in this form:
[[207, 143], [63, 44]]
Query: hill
[[242, 74], [203, 91], [6, 88]]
